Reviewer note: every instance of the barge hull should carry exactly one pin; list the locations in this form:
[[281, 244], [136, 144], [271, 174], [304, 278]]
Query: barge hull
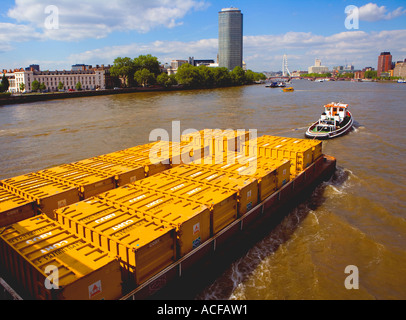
[[194, 264]]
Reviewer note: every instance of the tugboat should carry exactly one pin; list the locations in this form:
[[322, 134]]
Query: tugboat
[[335, 121]]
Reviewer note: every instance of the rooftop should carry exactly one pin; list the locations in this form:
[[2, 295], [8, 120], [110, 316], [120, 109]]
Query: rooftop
[[230, 9]]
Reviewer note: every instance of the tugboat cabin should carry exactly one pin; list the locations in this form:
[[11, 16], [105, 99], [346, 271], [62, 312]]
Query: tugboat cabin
[[332, 117]]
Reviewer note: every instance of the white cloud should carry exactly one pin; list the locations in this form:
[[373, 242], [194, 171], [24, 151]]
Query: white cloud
[[90, 19], [264, 52], [371, 12], [164, 50], [18, 33], [357, 47]]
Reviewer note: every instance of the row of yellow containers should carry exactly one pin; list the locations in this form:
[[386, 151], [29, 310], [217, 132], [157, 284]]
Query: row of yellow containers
[[300, 152], [270, 173], [137, 222], [56, 187], [144, 244], [195, 210], [52, 263], [221, 201], [94, 246], [316, 145]]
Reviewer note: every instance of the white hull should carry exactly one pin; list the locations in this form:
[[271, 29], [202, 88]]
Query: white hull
[[329, 135]]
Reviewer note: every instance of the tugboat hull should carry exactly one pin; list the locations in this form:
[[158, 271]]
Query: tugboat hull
[[311, 134]]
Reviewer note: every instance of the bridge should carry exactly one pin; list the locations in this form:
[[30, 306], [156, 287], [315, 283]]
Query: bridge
[[283, 78]]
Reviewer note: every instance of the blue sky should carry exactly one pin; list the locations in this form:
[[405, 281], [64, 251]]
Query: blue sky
[[95, 32]]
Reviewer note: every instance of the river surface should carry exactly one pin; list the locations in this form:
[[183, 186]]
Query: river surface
[[356, 219]]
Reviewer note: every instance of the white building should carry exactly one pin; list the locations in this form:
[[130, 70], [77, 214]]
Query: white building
[[89, 79], [318, 68]]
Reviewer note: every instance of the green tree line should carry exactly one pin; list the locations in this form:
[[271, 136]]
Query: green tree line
[[145, 70]]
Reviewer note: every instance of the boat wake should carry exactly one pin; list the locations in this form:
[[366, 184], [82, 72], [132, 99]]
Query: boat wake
[[236, 280]]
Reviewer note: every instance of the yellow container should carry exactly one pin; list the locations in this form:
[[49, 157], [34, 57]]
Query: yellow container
[[191, 219], [281, 166], [40, 254], [145, 245], [46, 193], [316, 145], [218, 140], [300, 157], [166, 152], [246, 187], [14, 208], [222, 202], [271, 174], [267, 138], [89, 182], [142, 147], [151, 167], [123, 173]]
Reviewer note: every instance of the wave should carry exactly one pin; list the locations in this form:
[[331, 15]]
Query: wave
[[233, 279]]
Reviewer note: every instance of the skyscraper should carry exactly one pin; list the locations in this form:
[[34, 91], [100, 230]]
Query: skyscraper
[[384, 63], [230, 38]]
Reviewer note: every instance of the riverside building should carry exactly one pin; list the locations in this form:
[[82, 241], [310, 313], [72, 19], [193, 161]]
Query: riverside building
[[21, 80], [318, 68], [384, 63], [230, 38]]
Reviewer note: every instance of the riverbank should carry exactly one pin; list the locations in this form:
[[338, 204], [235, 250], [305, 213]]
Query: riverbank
[[29, 98]]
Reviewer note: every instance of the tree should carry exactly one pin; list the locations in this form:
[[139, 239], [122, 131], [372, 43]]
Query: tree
[[4, 84], [42, 87], [188, 75], [147, 62], [238, 76], [252, 76], [22, 87], [79, 86], [144, 77], [221, 77], [35, 85], [60, 85], [206, 76], [371, 74], [164, 80], [124, 68]]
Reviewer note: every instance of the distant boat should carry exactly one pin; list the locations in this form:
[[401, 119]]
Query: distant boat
[[272, 85], [401, 81], [319, 80], [335, 121], [290, 89], [279, 84]]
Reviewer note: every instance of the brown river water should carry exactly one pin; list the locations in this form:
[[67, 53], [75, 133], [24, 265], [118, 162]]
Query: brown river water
[[358, 218]]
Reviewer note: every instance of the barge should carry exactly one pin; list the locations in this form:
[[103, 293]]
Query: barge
[[156, 230]]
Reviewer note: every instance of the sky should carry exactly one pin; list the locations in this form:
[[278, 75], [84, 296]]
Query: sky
[[59, 33]]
